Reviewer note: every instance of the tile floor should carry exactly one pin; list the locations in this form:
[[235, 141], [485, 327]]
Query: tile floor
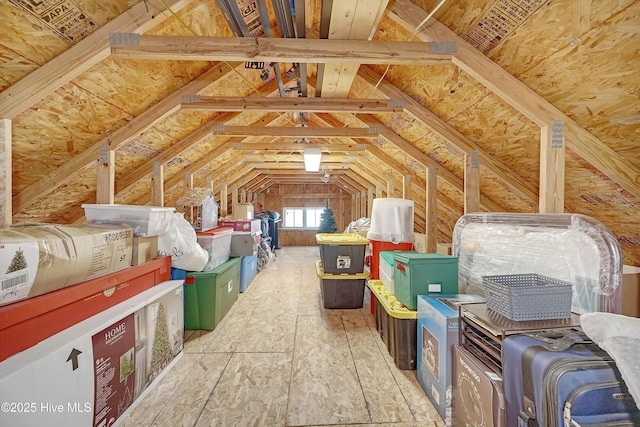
[[279, 358]]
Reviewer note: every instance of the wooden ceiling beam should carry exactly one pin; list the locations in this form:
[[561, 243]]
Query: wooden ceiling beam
[[296, 132], [294, 146], [521, 97], [277, 104], [242, 49], [350, 20]]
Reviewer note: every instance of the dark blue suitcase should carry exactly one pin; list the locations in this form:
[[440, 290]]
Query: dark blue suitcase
[[563, 381]]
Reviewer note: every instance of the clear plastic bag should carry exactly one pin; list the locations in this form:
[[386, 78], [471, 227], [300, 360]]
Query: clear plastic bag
[[181, 243]]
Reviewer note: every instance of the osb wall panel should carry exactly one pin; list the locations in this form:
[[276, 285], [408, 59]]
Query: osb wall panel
[[593, 80], [580, 56], [27, 40]]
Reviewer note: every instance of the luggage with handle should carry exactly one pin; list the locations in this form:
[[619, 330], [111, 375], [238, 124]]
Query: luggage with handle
[[563, 379]]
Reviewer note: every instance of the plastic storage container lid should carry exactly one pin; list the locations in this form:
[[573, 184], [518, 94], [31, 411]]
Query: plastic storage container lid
[[390, 303], [321, 274], [391, 220], [218, 231], [340, 239], [416, 257]]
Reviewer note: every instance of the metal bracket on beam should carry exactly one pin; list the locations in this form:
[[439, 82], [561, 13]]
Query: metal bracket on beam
[[190, 99], [237, 145], [124, 39], [103, 157], [396, 103], [443, 47], [218, 128], [373, 131], [474, 159], [557, 128]]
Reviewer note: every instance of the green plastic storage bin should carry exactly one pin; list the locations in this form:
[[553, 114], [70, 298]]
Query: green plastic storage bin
[[423, 274], [210, 294]]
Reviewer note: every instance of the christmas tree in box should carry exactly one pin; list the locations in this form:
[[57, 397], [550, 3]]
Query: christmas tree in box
[[327, 221]]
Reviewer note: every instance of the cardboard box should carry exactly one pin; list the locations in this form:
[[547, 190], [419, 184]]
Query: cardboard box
[[95, 372], [438, 319], [38, 259], [420, 245], [252, 225], [144, 249], [478, 397], [25, 323], [242, 211], [631, 291]]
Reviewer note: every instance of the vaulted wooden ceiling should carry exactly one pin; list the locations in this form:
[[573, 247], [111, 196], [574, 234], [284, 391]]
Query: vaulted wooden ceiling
[[374, 85]]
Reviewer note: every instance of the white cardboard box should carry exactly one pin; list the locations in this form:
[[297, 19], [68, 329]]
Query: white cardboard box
[[38, 259], [95, 372]]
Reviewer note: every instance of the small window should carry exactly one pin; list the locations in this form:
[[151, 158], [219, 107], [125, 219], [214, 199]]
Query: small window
[[301, 218]]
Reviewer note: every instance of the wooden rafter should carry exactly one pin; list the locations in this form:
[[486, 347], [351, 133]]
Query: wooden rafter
[[195, 48], [296, 132], [294, 146], [342, 105]]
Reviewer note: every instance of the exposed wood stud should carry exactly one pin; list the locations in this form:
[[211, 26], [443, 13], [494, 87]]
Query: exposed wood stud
[[5, 173], [106, 174], [552, 168], [431, 210], [157, 184], [471, 183]]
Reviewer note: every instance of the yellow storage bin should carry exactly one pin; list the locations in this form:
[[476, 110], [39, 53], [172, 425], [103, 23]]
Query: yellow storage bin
[[396, 324], [342, 291]]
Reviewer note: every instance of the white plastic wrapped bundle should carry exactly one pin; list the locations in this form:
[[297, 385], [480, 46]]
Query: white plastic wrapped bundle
[[570, 247]]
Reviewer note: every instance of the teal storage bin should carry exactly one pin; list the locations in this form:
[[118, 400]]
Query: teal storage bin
[[209, 295], [423, 274]]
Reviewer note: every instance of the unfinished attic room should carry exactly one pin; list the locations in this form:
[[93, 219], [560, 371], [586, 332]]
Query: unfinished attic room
[[411, 213]]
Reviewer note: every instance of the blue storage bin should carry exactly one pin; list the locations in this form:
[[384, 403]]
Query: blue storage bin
[[248, 270]]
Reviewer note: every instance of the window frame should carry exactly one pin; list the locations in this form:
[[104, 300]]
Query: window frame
[[305, 210]]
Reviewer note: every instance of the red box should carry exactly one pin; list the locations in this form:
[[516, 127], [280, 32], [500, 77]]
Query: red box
[[377, 246], [251, 225], [25, 323]]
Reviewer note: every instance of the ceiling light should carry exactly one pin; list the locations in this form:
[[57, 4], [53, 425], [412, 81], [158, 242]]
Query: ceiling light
[[312, 158]]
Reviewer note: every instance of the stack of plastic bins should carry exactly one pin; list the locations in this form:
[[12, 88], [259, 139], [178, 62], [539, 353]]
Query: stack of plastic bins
[[341, 270], [391, 229], [217, 242], [248, 270], [424, 274], [396, 325], [210, 294], [341, 291], [387, 270]]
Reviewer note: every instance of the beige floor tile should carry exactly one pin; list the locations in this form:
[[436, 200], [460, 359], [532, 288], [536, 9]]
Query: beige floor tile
[[252, 391], [324, 383], [189, 383]]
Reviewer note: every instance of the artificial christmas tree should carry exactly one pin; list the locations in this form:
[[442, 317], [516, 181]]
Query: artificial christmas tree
[[18, 262], [161, 349], [327, 221]]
